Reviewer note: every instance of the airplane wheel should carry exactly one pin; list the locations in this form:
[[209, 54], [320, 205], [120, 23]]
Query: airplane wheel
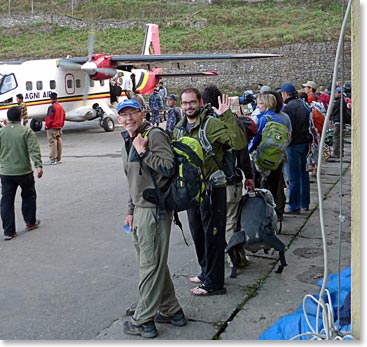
[[108, 124], [35, 125]]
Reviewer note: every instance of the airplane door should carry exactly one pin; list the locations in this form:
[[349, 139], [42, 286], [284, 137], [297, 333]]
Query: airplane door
[[69, 84]]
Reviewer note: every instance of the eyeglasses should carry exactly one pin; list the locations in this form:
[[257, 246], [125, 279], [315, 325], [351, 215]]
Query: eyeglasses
[[189, 103], [131, 114]]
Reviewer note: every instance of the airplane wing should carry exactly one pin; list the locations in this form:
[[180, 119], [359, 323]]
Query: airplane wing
[[127, 62], [188, 74]]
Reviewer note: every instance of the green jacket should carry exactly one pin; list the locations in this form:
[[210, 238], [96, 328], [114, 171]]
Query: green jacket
[[222, 132], [18, 146]]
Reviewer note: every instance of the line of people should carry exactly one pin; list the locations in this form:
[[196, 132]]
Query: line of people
[[212, 221]]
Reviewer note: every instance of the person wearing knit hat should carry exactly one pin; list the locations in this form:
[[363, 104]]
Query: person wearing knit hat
[[264, 89]]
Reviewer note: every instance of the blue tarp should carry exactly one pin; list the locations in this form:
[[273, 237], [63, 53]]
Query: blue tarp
[[293, 324]]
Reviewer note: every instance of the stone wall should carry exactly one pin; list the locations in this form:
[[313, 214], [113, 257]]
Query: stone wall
[[298, 64]]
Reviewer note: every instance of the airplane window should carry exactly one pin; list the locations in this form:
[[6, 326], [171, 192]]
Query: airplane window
[[52, 84], [78, 83], [69, 84], [28, 85], [101, 82], [7, 83], [39, 85], [91, 83]]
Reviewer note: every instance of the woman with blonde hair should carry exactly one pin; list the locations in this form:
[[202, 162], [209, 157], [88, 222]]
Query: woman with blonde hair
[[267, 104]]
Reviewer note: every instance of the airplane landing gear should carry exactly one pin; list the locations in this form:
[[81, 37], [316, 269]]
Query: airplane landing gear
[[107, 124], [35, 125]]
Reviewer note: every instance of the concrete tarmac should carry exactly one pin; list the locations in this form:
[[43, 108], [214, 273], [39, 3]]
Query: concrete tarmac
[[74, 277]]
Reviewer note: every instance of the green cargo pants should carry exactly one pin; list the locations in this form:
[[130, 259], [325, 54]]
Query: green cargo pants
[[151, 239]]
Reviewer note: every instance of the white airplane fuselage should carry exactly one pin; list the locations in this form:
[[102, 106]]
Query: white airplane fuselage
[[36, 79]]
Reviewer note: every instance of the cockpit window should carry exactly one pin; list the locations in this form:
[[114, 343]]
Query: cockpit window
[[7, 83]]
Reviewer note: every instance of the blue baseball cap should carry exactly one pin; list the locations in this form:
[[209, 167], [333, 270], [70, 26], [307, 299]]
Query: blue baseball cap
[[288, 88], [172, 96], [128, 103], [339, 89]]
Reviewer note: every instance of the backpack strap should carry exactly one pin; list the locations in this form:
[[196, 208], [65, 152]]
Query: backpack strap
[[207, 147], [162, 196]]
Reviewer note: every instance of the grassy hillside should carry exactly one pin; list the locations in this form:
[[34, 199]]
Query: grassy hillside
[[226, 25]]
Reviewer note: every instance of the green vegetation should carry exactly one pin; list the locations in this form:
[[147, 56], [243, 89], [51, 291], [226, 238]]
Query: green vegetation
[[224, 25]]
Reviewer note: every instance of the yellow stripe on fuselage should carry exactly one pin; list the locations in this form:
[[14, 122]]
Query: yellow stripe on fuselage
[[73, 98]]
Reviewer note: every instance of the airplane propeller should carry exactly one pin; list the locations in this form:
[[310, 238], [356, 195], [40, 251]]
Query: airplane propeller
[[89, 67], [91, 39]]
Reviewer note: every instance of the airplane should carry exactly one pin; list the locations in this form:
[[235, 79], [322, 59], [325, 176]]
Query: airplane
[[83, 82]]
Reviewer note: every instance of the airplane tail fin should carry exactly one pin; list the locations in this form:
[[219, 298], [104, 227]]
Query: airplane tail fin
[[151, 45]]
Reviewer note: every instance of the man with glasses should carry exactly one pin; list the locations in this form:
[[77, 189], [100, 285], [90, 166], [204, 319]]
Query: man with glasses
[[207, 221], [144, 155]]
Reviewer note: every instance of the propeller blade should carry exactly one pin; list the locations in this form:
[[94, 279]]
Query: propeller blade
[[86, 88], [65, 64], [91, 39], [106, 71]]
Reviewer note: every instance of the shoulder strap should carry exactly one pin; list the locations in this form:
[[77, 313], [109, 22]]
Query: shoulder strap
[[268, 118], [207, 147]]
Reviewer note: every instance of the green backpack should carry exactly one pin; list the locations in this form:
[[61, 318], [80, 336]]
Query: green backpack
[[272, 148], [187, 185]]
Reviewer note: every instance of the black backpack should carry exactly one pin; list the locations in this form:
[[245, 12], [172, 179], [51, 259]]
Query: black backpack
[[256, 228], [187, 186]]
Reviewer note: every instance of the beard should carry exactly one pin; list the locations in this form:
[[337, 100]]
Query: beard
[[193, 115]]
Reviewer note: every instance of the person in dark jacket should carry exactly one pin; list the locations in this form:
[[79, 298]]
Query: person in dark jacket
[[156, 106], [207, 221], [174, 114], [236, 164], [18, 146], [339, 106], [299, 179], [54, 123]]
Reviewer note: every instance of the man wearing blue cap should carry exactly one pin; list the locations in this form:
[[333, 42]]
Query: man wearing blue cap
[[174, 114], [143, 156], [299, 179]]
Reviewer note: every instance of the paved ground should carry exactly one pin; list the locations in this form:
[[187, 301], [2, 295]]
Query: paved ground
[[73, 278]]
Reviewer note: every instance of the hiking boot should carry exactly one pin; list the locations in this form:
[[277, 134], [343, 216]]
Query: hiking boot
[[178, 319], [29, 227], [9, 237], [147, 330], [50, 162]]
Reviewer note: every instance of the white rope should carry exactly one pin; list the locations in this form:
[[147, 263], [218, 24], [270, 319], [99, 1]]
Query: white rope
[[328, 331]]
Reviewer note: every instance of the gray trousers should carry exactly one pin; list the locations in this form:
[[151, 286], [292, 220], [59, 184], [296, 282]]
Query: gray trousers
[[156, 291], [234, 195]]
